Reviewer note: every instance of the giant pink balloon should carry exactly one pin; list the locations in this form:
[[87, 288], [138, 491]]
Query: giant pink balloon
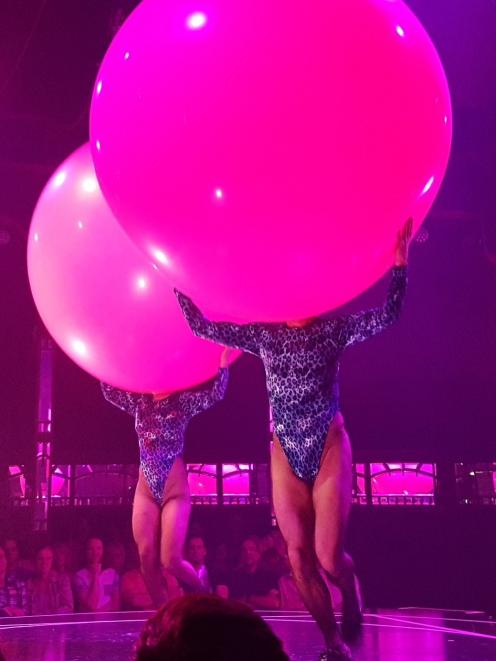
[[265, 153], [102, 302]]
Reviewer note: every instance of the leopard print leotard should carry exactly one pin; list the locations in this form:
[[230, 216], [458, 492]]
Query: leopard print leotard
[[161, 425], [301, 367]]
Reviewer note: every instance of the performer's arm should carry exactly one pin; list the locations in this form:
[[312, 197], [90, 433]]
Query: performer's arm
[[237, 336], [354, 328], [193, 402], [126, 401]]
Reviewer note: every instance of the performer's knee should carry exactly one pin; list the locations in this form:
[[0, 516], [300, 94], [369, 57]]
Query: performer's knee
[[335, 562], [148, 555], [302, 560]]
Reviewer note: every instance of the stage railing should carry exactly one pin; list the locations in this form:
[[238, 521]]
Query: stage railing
[[374, 484]]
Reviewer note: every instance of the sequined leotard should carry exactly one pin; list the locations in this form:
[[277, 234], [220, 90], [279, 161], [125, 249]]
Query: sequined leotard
[[161, 425], [301, 367]]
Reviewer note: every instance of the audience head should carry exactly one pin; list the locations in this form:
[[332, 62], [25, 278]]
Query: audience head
[[62, 557], [115, 553], [44, 561], [11, 549], [196, 551], [94, 551], [250, 553], [271, 561], [204, 627]]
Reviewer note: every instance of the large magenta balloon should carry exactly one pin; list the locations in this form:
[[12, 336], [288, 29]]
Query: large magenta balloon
[[102, 302], [265, 153]]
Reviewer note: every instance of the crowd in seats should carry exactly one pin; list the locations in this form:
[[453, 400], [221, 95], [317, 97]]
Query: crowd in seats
[[102, 577]]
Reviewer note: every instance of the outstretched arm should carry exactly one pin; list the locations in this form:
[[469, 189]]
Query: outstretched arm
[[354, 328], [194, 402], [126, 401], [237, 336]]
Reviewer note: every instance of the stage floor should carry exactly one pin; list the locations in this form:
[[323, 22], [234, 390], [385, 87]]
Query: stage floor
[[403, 635]]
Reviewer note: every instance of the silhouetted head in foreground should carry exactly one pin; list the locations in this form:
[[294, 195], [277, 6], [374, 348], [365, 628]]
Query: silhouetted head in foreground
[[204, 628]]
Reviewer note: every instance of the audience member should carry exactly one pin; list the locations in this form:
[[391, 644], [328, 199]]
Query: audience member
[[13, 590], [22, 569], [251, 584], [134, 593], [204, 628], [273, 563], [96, 589], [196, 553], [115, 553], [49, 591], [63, 559]]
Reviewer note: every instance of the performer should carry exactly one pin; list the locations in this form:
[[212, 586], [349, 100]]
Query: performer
[[311, 459], [162, 505]]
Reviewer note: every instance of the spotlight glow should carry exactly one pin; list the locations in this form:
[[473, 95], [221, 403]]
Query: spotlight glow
[[160, 256], [59, 179], [141, 283], [80, 348], [89, 184], [196, 21], [428, 186]]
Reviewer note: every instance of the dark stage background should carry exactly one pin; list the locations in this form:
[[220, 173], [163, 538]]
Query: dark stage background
[[424, 389]]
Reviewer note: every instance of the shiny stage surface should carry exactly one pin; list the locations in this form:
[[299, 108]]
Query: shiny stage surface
[[402, 635]]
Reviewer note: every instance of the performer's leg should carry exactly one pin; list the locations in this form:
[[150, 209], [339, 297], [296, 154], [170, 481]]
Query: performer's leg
[[146, 532], [175, 519], [296, 519], [332, 504]]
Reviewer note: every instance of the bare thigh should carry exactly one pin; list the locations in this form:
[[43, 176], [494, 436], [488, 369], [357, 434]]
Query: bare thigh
[[146, 521], [293, 504], [175, 514], [332, 497]]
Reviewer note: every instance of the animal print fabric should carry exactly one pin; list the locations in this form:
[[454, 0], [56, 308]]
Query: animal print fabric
[[161, 424], [301, 367]]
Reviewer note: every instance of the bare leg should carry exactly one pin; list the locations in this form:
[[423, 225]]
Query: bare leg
[[296, 518], [332, 504], [146, 532], [174, 520]]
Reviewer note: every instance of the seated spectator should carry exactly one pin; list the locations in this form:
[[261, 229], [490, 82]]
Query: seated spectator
[[206, 628], [49, 591], [134, 593], [220, 567], [13, 591], [278, 543], [96, 589], [196, 553], [115, 554], [249, 583], [22, 569], [272, 562], [63, 560]]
